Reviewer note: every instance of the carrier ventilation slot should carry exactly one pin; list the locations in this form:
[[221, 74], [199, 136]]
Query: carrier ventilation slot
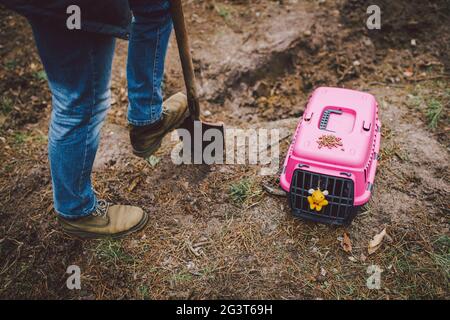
[[326, 117]]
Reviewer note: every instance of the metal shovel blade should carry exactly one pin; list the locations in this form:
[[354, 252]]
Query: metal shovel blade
[[203, 142]]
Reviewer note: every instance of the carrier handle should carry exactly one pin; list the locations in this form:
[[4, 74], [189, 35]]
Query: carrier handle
[[326, 117]]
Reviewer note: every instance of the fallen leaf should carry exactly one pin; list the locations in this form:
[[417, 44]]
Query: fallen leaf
[[408, 74], [346, 243], [133, 184], [153, 161], [375, 243]]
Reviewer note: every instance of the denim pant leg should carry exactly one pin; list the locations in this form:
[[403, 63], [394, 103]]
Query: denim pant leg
[[150, 33], [78, 67]]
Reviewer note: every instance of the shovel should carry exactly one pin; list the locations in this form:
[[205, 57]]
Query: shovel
[[204, 136]]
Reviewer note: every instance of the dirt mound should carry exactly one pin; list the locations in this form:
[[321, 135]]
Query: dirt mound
[[403, 21]]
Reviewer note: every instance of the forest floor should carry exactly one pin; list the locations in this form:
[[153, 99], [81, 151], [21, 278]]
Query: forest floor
[[256, 62]]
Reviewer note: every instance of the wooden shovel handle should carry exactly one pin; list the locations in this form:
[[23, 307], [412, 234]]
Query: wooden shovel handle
[[179, 24]]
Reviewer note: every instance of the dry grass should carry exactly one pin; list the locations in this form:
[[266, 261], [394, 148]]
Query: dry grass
[[214, 233]]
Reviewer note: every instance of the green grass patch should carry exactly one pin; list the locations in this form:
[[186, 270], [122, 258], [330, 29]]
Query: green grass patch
[[442, 254], [182, 277], [244, 191], [40, 75], [20, 137], [144, 292], [434, 113], [11, 65], [431, 103], [419, 273], [111, 251], [6, 105], [223, 11]]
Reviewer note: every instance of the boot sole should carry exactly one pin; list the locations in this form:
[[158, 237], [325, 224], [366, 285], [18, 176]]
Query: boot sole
[[152, 149], [148, 152], [90, 235]]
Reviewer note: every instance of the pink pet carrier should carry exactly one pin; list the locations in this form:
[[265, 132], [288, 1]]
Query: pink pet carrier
[[330, 167]]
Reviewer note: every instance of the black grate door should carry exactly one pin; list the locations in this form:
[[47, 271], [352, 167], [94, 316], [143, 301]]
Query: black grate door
[[340, 209]]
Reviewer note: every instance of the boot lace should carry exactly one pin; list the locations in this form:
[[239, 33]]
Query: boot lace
[[101, 208]]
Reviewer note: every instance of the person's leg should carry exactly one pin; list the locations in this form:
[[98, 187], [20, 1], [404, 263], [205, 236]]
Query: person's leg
[[150, 33], [78, 67]]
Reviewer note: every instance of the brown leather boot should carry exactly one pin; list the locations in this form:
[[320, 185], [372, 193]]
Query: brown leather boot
[[145, 140], [114, 221]]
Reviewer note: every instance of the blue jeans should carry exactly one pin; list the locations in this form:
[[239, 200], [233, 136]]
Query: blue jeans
[[78, 67]]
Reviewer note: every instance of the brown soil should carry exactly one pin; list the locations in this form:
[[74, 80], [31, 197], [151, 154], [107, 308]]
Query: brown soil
[[256, 61]]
